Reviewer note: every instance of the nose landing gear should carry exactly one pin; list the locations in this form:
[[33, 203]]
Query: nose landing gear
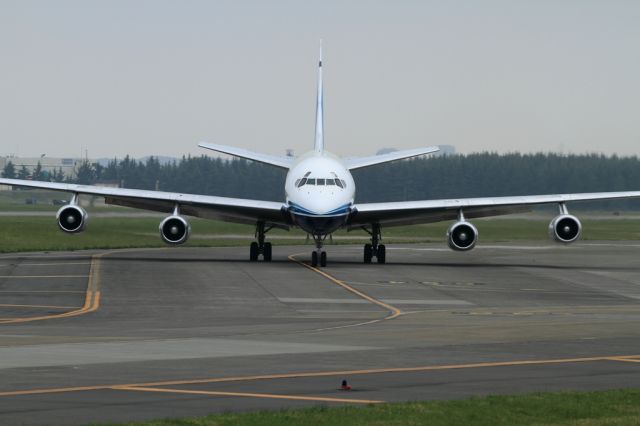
[[375, 249], [319, 256]]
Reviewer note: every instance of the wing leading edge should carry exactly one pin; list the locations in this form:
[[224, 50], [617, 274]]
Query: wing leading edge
[[429, 211], [206, 206]]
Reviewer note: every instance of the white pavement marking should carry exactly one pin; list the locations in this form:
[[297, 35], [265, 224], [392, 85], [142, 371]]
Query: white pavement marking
[[517, 247], [153, 350], [610, 245], [323, 300], [509, 247], [438, 302], [53, 264], [360, 301], [418, 248], [17, 265]]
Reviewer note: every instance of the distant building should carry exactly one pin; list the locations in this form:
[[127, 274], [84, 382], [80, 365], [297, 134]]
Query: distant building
[[69, 166]]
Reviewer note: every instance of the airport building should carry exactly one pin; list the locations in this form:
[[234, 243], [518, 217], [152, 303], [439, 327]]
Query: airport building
[[68, 166]]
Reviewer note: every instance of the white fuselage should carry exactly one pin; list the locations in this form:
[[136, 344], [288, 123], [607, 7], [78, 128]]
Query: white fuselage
[[319, 191]]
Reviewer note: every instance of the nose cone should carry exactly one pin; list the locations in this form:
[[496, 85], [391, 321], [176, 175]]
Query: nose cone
[[326, 204]]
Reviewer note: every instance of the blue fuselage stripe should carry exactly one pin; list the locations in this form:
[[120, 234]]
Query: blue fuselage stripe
[[340, 211]]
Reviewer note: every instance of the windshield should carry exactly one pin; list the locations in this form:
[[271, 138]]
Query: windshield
[[334, 181]]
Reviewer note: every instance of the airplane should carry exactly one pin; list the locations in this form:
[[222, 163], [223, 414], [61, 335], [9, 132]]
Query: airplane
[[319, 199]]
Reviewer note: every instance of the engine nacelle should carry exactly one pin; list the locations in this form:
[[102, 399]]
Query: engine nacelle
[[462, 236], [565, 228], [72, 219], [174, 230]]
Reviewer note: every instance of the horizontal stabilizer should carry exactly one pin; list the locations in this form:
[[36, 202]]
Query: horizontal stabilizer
[[356, 163], [283, 162]]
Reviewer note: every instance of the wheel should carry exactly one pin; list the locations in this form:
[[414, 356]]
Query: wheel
[[382, 254], [323, 259], [368, 253], [314, 258], [253, 251], [266, 253]]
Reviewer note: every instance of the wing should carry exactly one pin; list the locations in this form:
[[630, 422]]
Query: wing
[[282, 162], [228, 209], [359, 162], [428, 211]]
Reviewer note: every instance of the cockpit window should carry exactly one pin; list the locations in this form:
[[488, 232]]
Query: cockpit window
[[320, 181]]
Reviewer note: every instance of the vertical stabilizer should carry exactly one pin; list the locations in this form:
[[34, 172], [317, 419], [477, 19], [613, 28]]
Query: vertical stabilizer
[[319, 142]]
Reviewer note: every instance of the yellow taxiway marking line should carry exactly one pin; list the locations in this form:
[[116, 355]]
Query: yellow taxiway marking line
[[393, 311], [323, 374], [41, 276], [248, 395], [91, 304], [6, 305], [625, 359], [91, 300]]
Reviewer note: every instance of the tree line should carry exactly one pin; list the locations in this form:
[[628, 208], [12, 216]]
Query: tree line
[[451, 176]]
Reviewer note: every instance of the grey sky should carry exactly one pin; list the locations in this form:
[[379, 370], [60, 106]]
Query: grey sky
[[156, 77]]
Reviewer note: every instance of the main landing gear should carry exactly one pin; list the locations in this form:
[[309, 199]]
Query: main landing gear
[[319, 256], [379, 251], [260, 247]]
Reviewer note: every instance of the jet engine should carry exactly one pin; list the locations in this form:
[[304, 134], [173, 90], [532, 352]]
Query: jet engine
[[462, 236], [72, 218], [174, 230], [565, 228]]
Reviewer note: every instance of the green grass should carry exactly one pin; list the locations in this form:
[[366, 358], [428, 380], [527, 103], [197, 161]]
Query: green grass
[[42, 234], [615, 407]]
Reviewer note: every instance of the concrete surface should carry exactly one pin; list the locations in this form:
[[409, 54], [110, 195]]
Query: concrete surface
[[139, 334]]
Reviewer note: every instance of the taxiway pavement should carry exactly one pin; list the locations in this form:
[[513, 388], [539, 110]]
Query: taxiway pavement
[[129, 335]]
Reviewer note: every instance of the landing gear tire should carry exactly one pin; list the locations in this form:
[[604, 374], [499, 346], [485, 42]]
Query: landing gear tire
[[314, 258], [260, 247], [254, 250], [368, 253], [374, 249], [382, 254], [266, 253], [323, 259]]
